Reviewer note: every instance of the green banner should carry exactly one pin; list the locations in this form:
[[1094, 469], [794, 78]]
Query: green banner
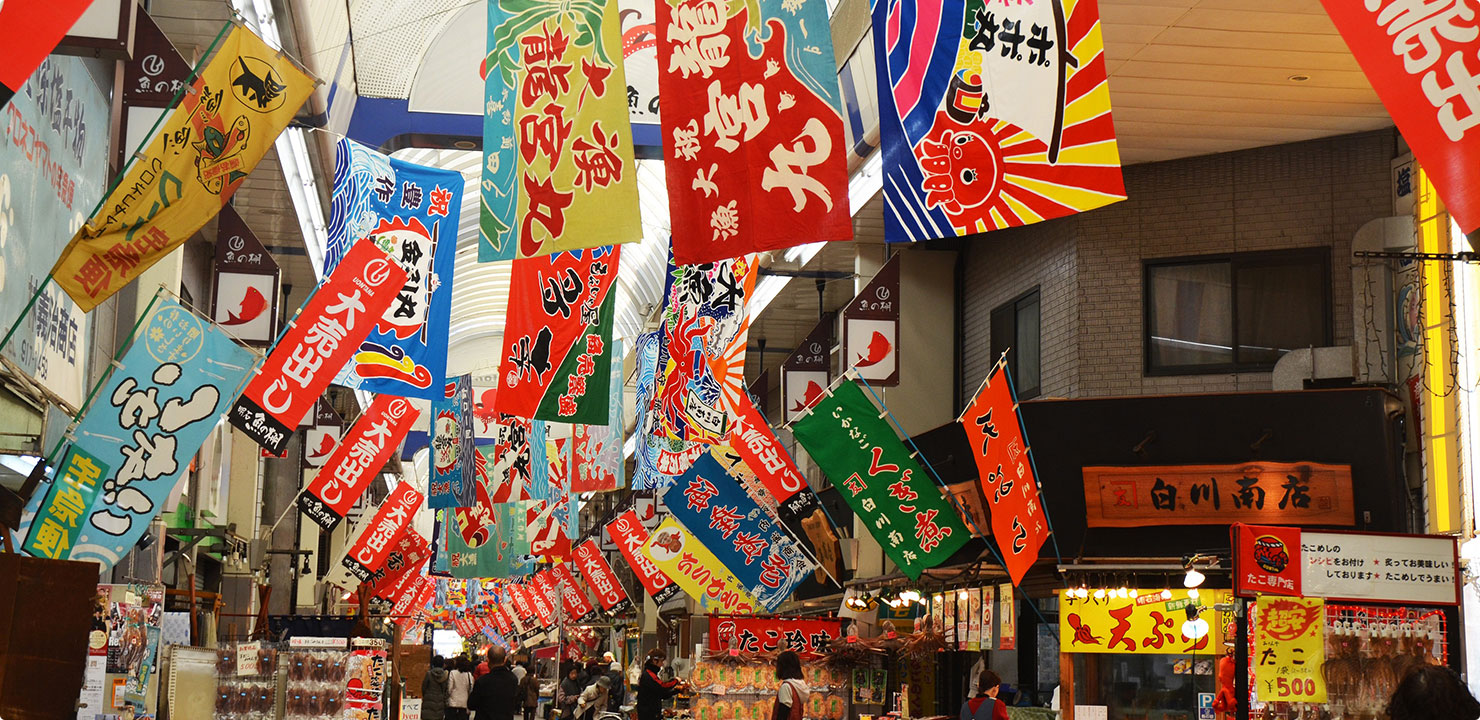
[[902, 507]]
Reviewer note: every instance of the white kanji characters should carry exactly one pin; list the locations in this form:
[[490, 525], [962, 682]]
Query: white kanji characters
[[696, 36], [348, 305], [725, 221], [789, 166], [1461, 95], [1417, 27], [730, 115], [686, 140]]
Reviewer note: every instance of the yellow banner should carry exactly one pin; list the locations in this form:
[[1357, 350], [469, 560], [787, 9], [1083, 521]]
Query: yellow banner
[[1154, 622], [210, 142], [1290, 649], [692, 567]]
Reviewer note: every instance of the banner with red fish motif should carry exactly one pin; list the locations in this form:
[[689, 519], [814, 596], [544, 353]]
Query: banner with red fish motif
[[707, 324], [807, 371]]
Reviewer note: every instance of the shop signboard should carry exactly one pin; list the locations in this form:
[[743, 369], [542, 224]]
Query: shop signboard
[[1261, 492], [319, 340], [629, 534], [1266, 560], [695, 569], [871, 328], [320, 438], [1008, 616], [366, 448], [1346, 566], [809, 638], [1149, 623], [806, 372], [53, 151], [244, 298], [1289, 650], [1008, 478]]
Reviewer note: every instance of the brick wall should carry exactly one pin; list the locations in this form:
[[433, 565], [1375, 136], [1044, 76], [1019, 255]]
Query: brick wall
[[1315, 193]]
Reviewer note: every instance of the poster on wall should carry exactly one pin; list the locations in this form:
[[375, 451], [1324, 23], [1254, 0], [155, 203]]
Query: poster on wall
[[1290, 650], [1007, 616], [871, 328]]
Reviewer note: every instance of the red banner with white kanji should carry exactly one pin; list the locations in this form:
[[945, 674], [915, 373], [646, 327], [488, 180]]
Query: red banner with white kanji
[[995, 432], [629, 535], [540, 590], [408, 553], [753, 143], [556, 362], [360, 455], [577, 606], [320, 339], [374, 546], [600, 578], [1421, 59]]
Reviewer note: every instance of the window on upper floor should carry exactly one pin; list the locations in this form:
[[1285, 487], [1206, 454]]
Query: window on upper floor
[[1016, 331], [1235, 313]]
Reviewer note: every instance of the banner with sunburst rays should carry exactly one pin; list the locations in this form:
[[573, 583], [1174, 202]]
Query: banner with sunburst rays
[[996, 114]]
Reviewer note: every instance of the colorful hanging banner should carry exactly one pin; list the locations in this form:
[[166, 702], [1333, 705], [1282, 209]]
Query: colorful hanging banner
[[519, 460], [542, 597], [29, 31], [552, 514], [876, 475], [1418, 61], [871, 328], [558, 172], [706, 327], [488, 540], [557, 361], [991, 117], [453, 458], [573, 599], [1290, 650], [207, 145], [1148, 623], [807, 372], [757, 551], [599, 576], [798, 507], [1005, 467], [658, 458], [366, 448], [319, 340], [597, 464], [370, 552], [745, 173], [692, 567], [809, 638], [627, 532], [138, 437], [408, 554], [411, 212]]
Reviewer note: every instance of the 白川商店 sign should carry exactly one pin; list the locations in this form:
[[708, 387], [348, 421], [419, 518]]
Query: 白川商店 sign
[[1349, 566], [1286, 493]]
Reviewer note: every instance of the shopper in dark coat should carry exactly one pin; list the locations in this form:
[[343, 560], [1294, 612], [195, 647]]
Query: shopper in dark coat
[[434, 691], [495, 695], [652, 691], [529, 692]]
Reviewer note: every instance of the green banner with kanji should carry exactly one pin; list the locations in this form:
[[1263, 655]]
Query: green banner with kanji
[[902, 507]]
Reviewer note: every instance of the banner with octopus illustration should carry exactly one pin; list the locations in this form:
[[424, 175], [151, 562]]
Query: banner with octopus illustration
[[558, 172], [658, 457], [995, 115], [556, 364], [411, 212], [706, 326], [753, 128]]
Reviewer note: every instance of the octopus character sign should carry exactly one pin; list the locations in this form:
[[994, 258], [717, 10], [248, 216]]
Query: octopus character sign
[[997, 114]]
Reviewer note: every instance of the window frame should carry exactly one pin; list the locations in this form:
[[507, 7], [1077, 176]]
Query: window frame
[[1317, 255], [1023, 393]]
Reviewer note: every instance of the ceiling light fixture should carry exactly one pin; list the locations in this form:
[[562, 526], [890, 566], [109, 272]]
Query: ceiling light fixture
[[1298, 78]]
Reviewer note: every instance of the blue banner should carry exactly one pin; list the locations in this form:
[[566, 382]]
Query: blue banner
[[410, 211], [453, 461], [499, 197], [139, 435], [757, 550]]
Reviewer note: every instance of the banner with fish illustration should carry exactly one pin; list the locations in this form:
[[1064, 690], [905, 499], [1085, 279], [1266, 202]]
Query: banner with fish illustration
[[596, 458], [519, 461], [753, 142], [746, 539], [453, 461], [411, 212], [245, 282], [225, 122], [487, 540], [556, 362], [871, 328], [558, 172], [138, 437], [807, 371], [658, 457], [991, 116], [706, 325]]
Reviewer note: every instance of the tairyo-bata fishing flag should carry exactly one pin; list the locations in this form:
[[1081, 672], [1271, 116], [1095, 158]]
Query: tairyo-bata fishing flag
[[991, 115], [753, 142], [557, 358], [518, 462], [902, 507], [411, 212], [707, 323], [596, 458], [658, 457], [558, 172], [138, 437], [225, 122], [454, 469]]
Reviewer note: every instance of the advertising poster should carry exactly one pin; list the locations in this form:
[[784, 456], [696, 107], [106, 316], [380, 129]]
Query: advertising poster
[[1290, 650]]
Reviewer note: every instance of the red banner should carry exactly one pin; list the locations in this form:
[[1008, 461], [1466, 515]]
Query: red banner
[[374, 547], [995, 432], [556, 365], [596, 458], [599, 576], [754, 156], [407, 555], [539, 590], [629, 535], [356, 460], [577, 606], [418, 588], [393, 588], [809, 638], [1266, 560], [754, 442], [501, 618], [323, 336], [29, 31], [510, 468], [1422, 63]]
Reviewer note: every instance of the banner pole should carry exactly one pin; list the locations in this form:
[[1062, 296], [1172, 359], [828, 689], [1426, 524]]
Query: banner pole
[[1037, 478]]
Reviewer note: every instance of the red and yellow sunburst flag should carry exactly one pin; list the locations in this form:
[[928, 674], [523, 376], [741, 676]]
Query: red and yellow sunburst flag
[[223, 125], [995, 113]]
